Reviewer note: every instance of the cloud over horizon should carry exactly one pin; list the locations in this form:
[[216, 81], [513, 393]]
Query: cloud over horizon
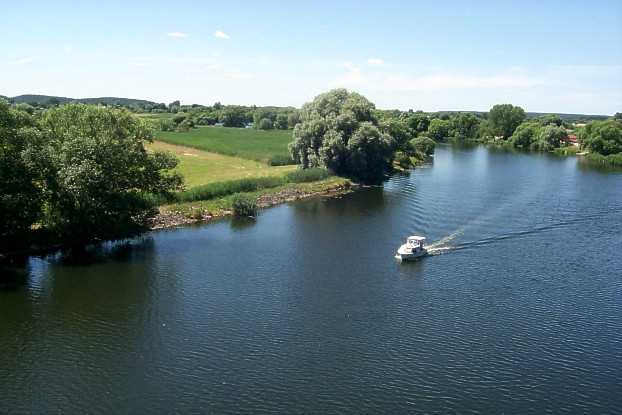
[[178, 35], [221, 35]]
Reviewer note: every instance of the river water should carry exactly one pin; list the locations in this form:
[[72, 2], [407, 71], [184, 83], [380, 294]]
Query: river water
[[305, 310]]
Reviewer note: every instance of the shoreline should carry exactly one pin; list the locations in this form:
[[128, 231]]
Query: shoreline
[[186, 214], [194, 213]]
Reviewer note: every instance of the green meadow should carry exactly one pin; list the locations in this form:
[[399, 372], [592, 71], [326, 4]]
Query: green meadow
[[265, 146], [200, 167]]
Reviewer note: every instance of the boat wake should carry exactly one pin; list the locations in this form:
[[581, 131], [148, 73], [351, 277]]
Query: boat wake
[[445, 245]]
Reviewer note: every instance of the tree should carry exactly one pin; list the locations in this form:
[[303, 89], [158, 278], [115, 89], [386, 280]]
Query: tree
[[20, 192], [174, 106], [399, 130], [550, 119], [263, 113], [423, 145], [439, 130], [464, 126], [265, 124], [551, 136], [99, 174], [179, 118], [281, 121], [369, 152], [293, 118], [234, 116], [603, 137], [418, 122], [339, 131], [504, 118], [525, 134]]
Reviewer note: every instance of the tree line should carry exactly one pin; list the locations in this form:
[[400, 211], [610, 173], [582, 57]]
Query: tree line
[[77, 173]]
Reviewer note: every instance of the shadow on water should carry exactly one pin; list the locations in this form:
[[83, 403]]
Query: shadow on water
[[13, 277], [112, 251], [594, 166], [239, 224], [361, 202]]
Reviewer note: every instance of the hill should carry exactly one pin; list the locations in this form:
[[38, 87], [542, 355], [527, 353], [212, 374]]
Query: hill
[[47, 99]]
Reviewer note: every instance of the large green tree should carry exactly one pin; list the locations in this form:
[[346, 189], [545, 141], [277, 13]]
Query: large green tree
[[525, 134], [20, 182], [439, 129], [99, 174], [339, 131], [464, 126], [602, 137], [504, 118]]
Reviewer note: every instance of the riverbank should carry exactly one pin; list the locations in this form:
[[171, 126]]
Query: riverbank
[[206, 210]]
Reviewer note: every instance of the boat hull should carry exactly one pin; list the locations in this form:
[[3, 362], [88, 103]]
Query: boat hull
[[410, 256]]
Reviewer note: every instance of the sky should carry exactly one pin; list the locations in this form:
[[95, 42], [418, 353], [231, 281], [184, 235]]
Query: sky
[[546, 56]]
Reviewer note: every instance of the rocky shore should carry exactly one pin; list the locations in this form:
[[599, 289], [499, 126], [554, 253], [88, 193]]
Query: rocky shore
[[169, 219]]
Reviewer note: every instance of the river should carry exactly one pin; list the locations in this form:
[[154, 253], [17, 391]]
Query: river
[[305, 310]]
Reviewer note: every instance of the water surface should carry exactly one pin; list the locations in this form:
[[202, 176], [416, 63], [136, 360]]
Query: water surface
[[519, 310]]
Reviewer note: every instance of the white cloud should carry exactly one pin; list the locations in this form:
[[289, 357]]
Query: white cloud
[[138, 64], [178, 35], [353, 77], [238, 75], [221, 35], [24, 61], [375, 61]]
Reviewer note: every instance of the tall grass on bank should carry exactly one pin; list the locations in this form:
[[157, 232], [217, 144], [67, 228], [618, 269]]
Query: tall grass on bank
[[220, 189], [610, 160], [307, 175]]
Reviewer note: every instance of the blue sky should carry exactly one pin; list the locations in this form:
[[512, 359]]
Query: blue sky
[[546, 56]]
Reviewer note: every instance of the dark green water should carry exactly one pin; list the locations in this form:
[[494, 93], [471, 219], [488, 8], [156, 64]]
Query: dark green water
[[306, 311]]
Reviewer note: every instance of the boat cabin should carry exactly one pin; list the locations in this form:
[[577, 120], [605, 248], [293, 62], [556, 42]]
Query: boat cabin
[[415, 242]]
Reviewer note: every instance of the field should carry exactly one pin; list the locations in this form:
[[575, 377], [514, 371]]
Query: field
[[200, 167], [264, 146]]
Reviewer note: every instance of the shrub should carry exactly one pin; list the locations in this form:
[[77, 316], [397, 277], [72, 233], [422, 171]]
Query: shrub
[[423, 145], [307, 175], [611, 159], [243, 205], [402, 159], [281, 160], [265, 124]]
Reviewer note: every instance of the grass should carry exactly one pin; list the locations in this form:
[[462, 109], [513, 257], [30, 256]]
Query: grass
[[222, 205], [612, 160], [567, 151], [251, 184], [246, 143], [201, 168]]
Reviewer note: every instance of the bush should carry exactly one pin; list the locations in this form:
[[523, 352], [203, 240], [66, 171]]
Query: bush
[[423, 145], [166, 125], [265, 124], [402, 159], [281, 160], [243, 205], [610, 160], [307, 175]]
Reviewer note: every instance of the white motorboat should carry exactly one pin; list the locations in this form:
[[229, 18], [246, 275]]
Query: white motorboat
[[412, 249]]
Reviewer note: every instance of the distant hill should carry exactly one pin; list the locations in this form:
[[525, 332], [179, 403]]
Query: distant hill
[[46, 99], [142, 103], [569, 117], [565, 117]]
